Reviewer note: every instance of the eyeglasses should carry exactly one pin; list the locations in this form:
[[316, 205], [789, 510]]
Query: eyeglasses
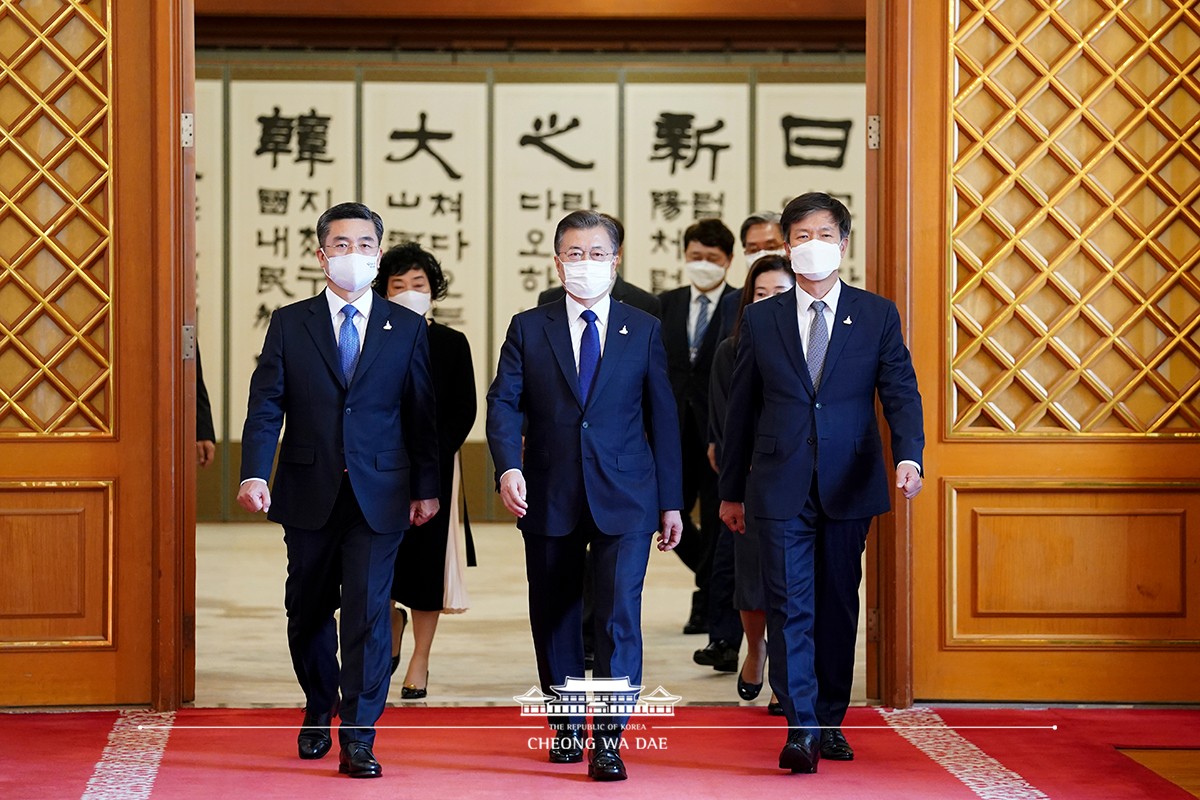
[[575, 255], [344, 248]]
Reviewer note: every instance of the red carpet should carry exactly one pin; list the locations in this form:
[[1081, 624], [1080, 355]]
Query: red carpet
[[219, 754]]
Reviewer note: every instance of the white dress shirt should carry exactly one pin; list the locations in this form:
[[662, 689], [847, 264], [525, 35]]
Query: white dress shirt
[[362, 305], [714, 297], [576, 324]]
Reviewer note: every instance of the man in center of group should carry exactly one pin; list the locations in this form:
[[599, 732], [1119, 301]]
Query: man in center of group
[[599, 465]]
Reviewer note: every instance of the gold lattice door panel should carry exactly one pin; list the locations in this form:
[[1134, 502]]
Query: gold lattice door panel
[[1075, 218], [55, 219]]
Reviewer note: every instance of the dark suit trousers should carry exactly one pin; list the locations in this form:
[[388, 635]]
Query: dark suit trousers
[[811, 568], [697, 544], [344, 554], [555, 567]]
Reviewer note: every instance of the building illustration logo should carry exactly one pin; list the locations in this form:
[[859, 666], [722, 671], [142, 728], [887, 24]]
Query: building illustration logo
[[613, 697]]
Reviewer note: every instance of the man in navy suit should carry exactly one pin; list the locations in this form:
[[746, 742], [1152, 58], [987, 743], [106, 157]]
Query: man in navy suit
[[357, 466], [803, 465], [693, 325], [586, 378]]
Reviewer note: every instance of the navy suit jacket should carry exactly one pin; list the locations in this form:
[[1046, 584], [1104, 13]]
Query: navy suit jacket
[[777, 429], [618, 455], [380, 429]]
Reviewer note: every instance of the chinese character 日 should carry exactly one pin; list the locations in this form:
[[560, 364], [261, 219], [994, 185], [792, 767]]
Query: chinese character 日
[[823, 135]]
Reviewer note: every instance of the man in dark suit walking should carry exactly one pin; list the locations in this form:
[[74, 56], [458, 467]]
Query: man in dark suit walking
[[357, 466], [693, 321], [586, 379], [622, 290], [803, 465]]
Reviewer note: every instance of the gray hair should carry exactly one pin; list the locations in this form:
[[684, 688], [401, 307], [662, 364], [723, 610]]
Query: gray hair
[[759, 218]]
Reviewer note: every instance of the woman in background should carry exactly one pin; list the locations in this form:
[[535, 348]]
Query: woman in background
[[411, 277], [769, 276]]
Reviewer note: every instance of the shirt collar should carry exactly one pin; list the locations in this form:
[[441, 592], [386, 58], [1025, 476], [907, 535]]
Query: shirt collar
[[575, 309], [362, 304], [804, 299], [713, 294]]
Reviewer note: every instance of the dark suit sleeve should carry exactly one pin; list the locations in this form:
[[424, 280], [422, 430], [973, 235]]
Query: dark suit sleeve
[[505, 408], [745, 389], [264, 411], [418, 407], [204, 421], [897, 387], [718, 392], [456, 402], [662, 427]]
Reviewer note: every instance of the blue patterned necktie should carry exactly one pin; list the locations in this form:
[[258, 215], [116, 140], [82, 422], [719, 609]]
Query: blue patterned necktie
[[818, 342], [348, 342], [589, 353], [701, 325]]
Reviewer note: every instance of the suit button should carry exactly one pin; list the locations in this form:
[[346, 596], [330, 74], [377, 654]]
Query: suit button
[[347, 412], [585, 424], [812, 440], [818, 405]]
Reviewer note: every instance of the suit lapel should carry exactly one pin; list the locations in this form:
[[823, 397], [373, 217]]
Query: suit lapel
[[675, 318], [559, 337], [320, 328], [788, 322], [847, 308], [614, 345], [375, 336]]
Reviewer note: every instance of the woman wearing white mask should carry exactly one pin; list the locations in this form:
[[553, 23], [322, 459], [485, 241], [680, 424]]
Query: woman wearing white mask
[[769, 275], [426, 581]]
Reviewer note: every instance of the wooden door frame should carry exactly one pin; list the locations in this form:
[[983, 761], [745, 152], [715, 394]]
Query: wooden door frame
[[889, 96], [173, 481]]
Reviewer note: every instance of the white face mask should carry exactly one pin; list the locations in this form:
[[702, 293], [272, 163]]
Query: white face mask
[[815, 259], [587, 280], [414, 300], [704, 275], [751, 258], [353, 271]]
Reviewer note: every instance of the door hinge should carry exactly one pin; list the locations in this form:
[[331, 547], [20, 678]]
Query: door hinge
[[872, 624], [187, 130], [873, 132], [188, 343]]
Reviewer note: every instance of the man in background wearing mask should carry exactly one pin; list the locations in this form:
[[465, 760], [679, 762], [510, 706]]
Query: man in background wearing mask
[[761, 236], [357, 466], [693, 326], [586, 378], [803, 464]]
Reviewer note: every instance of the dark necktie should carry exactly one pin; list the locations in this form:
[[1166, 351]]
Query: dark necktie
[[701, 325], [818, 342], [589, 353], [348, 342]]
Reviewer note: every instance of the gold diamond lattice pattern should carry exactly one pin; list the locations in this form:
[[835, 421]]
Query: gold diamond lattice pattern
[[1075, 217], [55, 228]]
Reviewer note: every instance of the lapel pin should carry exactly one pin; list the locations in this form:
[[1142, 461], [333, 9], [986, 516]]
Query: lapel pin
[[846, 321], [387, 326], [623, 330]]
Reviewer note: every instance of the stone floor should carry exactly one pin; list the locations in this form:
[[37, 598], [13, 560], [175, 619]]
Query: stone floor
[[481, 657]]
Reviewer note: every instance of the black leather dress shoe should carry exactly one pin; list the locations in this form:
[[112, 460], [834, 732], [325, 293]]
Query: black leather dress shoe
[[696, 624], [719, 655], [834, 745], [747, 690], [358, 761], [567, 748], [801, 753], [606, 765], [775, 708], [313, 741]]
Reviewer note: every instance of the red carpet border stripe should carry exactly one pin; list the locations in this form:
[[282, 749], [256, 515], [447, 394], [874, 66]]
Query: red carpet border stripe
[[979, 772], [129, 764]]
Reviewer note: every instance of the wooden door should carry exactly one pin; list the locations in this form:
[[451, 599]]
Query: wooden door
[[1047, 218], [95, 427]]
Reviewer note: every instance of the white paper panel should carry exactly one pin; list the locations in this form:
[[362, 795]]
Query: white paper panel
[[812, 137], [210, 240], [425, 172], [555, 151], [291, 157], [687, 156]]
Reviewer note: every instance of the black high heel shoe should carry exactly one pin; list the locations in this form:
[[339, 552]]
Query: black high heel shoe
[[745, 689], [410, 692]]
